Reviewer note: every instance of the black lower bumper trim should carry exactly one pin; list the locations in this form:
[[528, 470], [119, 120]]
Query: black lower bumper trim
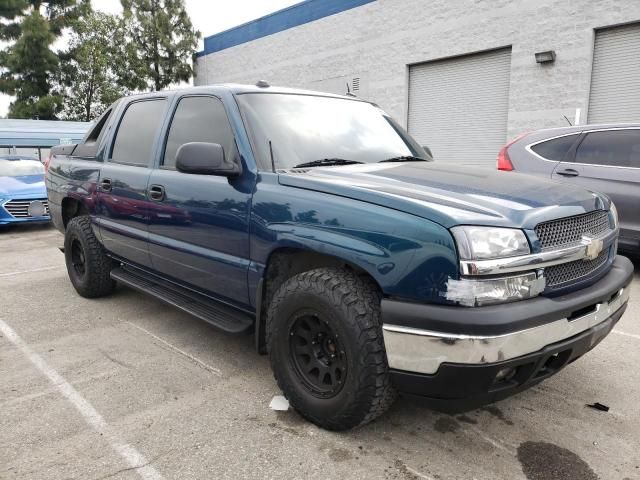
[[509, 317], [460, 387]]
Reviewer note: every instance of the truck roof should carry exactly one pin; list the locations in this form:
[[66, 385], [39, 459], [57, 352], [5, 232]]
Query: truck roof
[[238, 89]]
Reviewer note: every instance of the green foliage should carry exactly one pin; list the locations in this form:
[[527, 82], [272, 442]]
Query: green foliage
[[163, 42], [90, 79], [59, 14], [150, 47], [28, 67]]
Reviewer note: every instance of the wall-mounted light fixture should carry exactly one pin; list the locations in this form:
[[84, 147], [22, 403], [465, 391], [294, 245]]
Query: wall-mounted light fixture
[[546, 57]]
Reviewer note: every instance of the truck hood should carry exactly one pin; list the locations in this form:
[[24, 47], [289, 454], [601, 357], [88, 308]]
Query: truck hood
[[23, 186], [451, 195]]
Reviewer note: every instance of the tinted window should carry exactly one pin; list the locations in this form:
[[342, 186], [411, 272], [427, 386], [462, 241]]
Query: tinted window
[[98, 126], [556, 148], [198, 119], [619, 148], [89, 146], [137, 132]]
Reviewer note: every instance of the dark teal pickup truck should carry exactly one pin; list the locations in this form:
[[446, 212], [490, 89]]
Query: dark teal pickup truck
[[316, 223]]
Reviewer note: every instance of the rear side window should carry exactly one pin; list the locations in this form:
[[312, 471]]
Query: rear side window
[[89, 146], [556, 148], [615, 148], [95, 132], [137, 132], [198, 119]]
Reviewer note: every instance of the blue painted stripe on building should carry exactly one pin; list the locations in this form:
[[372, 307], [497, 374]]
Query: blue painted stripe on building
[[298, 14]]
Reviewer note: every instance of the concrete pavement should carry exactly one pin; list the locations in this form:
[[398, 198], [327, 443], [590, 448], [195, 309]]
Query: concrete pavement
[[193, 403]]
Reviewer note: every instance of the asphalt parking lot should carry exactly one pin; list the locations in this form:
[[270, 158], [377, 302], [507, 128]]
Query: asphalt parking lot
[[126, 387]]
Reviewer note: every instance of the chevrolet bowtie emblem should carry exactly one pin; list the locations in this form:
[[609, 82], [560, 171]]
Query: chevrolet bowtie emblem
[[593, 247]]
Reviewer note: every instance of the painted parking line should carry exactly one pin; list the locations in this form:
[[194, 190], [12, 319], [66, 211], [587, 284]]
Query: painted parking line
[[177, 350], [53, 389], [134, 459], [20, 272], [626, 334], [417, 474]]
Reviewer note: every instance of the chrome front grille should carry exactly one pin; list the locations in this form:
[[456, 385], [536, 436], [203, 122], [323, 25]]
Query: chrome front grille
[[565, 273], [20, 208], [569, 231]]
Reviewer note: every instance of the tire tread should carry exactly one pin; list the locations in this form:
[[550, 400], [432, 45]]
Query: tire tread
[[98, 281], [359, 298]]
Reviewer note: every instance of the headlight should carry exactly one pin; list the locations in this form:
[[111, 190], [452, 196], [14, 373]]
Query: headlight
[[472, 292], [482, 243], [614, 216]]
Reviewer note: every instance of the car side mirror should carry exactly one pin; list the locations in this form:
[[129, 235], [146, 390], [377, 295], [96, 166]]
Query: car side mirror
[[205, 159], [428, 150]]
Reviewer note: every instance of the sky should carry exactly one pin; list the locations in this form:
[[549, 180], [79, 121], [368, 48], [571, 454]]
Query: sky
[[208, 16]]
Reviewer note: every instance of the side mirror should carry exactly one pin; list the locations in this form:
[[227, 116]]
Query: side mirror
[[205, 159], [428, 150]]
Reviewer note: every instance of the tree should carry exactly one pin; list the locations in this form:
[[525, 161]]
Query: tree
[[29, 66], [163, 42], [89, 77]]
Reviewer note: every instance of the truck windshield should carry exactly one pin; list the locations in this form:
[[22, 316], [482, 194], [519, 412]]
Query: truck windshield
[[308, 128], [19, 168]]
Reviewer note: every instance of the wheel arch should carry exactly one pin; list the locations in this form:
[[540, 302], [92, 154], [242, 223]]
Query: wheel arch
[[71, 208], [285, 262]]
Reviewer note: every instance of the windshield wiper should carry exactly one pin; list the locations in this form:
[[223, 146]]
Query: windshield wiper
[[326, 162], [405, 158]]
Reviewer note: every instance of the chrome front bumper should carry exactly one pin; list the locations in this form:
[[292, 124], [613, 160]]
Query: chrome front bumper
[[423, 351]]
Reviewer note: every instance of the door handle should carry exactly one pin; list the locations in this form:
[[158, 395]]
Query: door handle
[[568, 172], [156, 193], [105, 184]]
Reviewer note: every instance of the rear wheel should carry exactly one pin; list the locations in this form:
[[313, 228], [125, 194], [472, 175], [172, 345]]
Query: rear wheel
[[88, 266], [325, 343]]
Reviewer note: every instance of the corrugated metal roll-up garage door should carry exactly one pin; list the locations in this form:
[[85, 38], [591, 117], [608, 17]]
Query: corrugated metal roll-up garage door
[[615, 78], [458, 107]]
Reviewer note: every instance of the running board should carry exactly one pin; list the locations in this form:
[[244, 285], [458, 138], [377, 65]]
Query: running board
[[217, 314]]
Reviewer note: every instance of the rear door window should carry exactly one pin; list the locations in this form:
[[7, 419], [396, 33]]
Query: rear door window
[[198, 119], [135, 139], [614, 148], [556, 148]]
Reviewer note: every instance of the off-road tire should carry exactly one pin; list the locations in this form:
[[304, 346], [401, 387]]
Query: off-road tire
[[95, 280], [350, 305]]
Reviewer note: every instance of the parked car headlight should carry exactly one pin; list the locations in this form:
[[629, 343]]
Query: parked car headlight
[[482, 243], [614, 215]]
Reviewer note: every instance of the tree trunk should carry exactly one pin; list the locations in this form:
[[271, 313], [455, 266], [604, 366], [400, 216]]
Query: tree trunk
[[156, 50], [87, 105]]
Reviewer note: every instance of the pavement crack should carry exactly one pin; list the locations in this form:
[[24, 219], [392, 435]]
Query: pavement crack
[[115, 360], [117, 472]]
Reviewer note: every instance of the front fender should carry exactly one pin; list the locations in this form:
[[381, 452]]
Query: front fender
[[408, 256]]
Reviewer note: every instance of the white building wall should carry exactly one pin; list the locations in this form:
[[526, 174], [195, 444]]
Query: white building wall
[[379, 40]]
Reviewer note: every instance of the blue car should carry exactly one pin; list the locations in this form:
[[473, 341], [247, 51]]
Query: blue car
[[23, 197]]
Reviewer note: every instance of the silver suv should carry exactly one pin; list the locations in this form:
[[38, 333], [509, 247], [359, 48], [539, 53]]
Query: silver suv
[[603, 158]]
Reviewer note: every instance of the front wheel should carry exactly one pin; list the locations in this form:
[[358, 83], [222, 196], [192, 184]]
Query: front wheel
[[325, 344], [88, 266]]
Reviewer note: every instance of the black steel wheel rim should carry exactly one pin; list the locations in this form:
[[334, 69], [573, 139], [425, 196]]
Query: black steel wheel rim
[[78, 259], [317, 355]]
